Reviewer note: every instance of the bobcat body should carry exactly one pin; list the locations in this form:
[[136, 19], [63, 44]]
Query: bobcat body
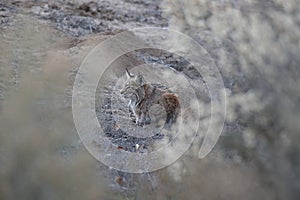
[[143, 95]]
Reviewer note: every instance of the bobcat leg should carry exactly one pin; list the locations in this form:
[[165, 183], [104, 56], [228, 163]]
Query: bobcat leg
[[144, 119], [141, 119], [147, 118], [132, 108]]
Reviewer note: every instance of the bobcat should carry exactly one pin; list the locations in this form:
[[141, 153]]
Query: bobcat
[[143, 95]]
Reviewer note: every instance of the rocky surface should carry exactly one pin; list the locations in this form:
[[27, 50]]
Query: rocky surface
[[87, 17]]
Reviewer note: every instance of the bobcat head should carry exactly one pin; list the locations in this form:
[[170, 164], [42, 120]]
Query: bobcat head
[[132, 83]]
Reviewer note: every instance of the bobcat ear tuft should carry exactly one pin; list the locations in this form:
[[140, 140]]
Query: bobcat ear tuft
[[128, 74]]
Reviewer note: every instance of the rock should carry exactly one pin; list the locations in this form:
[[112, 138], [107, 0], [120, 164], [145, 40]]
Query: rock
[[4, 13]]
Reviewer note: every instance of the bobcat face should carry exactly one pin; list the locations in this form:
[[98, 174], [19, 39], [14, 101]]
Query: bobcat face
[[132, 89], [132, 84]]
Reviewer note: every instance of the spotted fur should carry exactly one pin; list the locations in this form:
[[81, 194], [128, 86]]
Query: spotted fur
[[143, 95]]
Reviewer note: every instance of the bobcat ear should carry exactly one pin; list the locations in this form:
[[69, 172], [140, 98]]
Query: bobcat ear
[[128, 74]]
